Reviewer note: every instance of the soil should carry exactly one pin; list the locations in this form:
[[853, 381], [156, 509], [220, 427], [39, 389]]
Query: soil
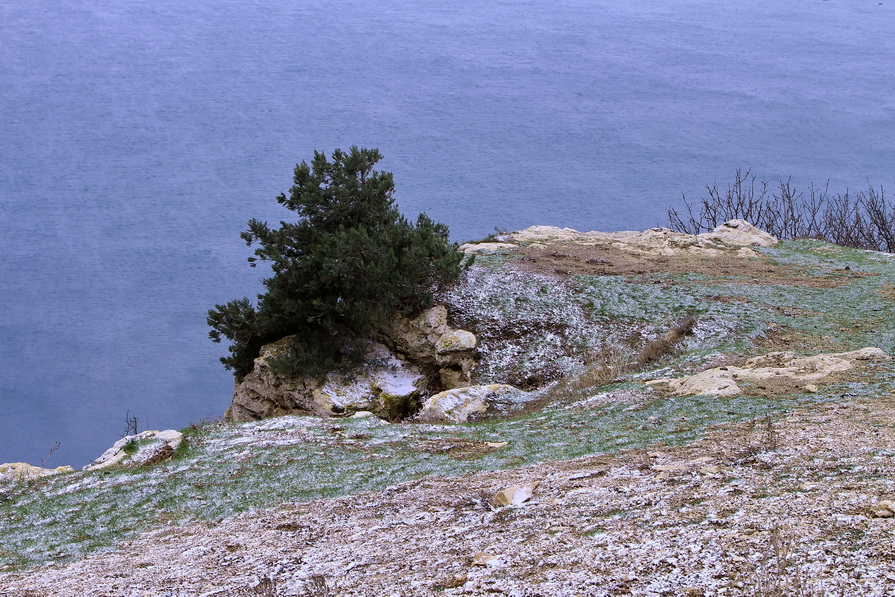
[[573, 258]]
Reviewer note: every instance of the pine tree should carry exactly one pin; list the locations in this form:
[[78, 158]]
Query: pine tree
[[346, 265]]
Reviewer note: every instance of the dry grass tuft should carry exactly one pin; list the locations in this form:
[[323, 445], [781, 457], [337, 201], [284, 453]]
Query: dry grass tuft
[[666, 345]]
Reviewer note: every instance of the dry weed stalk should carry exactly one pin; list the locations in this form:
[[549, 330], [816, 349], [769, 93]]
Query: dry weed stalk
[[784, 578], [758, 436], [611, 361]]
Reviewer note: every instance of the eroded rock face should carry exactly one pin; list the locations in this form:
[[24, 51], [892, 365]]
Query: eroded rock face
[[428, 340], [455, 357], [462, 404], [784, 369], [390, 389]]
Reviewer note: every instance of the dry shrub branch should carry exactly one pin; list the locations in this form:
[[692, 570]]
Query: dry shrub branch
[[863, 220]]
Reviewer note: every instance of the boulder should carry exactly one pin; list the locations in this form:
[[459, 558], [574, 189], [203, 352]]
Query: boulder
[[143, 449], [462, 404], [741, 233], [416, 338], [12, 472], [389, 388], [783, 369]]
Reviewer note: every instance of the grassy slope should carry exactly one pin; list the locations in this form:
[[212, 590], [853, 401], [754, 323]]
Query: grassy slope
[[229, 469]]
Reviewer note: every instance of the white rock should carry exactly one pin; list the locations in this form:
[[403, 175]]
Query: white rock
[[740, 233], [455, 341], [389, 389], [153, 447], [515, 496], [486, 248], [460, 404], [487, 560], [22, 471]]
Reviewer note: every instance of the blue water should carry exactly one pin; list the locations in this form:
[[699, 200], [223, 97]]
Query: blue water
[[137, 138]]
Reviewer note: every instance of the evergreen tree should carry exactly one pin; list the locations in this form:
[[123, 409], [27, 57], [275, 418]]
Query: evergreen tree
[[348, 263]]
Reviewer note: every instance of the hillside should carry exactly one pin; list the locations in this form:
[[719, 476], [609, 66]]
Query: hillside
[[779, 488]]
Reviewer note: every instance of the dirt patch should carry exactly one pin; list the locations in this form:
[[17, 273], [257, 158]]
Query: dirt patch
[[571, 258], [461, 449], [781, 337]]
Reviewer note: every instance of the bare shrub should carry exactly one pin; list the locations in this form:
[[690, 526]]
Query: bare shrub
[[780, 575], [755, 437], [863, 220]]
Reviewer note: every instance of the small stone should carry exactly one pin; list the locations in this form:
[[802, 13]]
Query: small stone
[[710, 470], [515, 496], [670, 468], [884, 509], [362, 414], [811, 388], [497, 445], [487, 560]]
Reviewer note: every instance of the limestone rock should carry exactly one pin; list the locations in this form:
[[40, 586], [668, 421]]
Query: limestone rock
[[462, 404], [416, 338], [655, 241], [515, 496], [741, 233], [455, 356], [389, 389], [783, 369], [22, 471], [455, 341], [429, 341], [143, 449], [263, 394], [487, 560], [487, 248], [884, 509]]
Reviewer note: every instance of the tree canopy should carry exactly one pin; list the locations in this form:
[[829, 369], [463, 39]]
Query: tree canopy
[[348, 263]]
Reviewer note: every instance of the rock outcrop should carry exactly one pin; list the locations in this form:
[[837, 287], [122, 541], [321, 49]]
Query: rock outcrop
[[430, 342], [142, 449], [13, 472], [412, 352], [734, 234], [389, 388], [740, 233], [783, 371]]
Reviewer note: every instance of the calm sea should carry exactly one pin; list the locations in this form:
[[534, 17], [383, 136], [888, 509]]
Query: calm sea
[[137, 138]]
